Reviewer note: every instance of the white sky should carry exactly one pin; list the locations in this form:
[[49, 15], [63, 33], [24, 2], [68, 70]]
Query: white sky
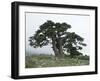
[[79, 23]]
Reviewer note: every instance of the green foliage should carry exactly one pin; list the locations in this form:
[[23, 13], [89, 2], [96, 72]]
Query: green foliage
[[46, 32], [57, 35]]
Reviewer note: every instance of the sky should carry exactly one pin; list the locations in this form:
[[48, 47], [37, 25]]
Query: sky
[[79, 23]]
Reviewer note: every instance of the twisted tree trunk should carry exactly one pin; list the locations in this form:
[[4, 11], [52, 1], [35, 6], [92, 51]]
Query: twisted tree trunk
[[55, 48], [60, 47]]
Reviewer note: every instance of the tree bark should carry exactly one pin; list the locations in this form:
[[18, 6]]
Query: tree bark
[[59, 42], [54, 47]]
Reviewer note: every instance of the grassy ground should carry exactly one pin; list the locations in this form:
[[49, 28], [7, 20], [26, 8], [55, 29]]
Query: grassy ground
[[37, 61]]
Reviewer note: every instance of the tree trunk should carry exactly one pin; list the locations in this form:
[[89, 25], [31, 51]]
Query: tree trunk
[[54, 47], [59, 42]]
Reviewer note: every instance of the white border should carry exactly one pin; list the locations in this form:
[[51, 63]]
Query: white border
[[53, 70]]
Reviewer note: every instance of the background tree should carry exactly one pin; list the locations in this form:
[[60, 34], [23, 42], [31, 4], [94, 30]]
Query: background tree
[[57, 35]]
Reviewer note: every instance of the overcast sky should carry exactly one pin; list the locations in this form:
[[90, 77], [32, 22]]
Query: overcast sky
[[79, 23]]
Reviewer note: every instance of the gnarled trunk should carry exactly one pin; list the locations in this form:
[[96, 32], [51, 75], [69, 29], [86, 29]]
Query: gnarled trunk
[[60, 48], [59, 42], [55, 48]]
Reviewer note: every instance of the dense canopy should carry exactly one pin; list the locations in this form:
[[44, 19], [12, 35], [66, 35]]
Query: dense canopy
[[63, 42]]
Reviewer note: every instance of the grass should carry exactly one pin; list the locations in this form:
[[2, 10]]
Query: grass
[[39, 61]]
